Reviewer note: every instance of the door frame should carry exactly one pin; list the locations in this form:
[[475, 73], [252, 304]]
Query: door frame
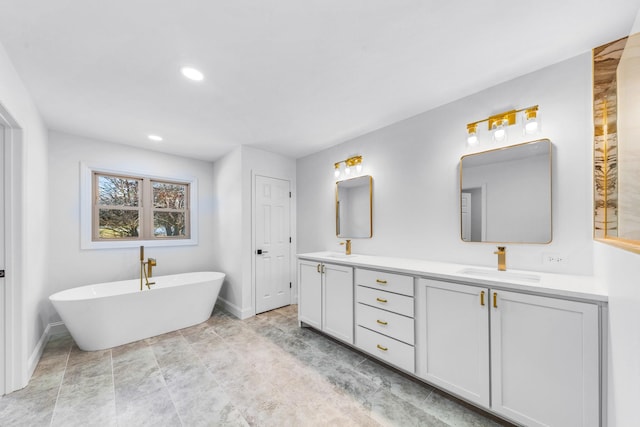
[[465, 217], [14, 346], [292, 265]]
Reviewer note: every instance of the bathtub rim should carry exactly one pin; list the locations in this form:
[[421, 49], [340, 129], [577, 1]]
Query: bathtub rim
[[84, 292]]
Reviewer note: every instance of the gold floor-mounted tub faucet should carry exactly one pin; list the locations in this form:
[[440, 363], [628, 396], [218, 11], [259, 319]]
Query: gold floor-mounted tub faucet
[[148, 271], [502, 258]]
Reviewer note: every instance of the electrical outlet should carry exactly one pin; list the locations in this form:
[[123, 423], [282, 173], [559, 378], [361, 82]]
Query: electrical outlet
[[553, 259]]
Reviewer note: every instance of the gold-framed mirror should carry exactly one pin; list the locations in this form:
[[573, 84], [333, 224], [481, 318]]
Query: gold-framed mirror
[[354, 208], [616, 107], [505, 194]]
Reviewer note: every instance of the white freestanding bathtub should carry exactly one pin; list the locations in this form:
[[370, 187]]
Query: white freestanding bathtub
[[111, 314]]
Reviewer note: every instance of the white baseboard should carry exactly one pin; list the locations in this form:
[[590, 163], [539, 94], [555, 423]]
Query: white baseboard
[[52, 329], [58, 328], [234, 309], [32, 363]]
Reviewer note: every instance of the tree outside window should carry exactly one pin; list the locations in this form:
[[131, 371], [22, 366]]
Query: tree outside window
[[139, 208], [169, 209]]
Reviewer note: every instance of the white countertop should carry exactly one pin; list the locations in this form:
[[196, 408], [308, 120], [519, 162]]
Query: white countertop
[[558, 285]]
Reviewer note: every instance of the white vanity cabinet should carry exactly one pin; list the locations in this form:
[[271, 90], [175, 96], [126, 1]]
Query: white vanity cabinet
[[385, 316], [454, 332], [532, 359], [544, 360], [326, 298], [532, 354]]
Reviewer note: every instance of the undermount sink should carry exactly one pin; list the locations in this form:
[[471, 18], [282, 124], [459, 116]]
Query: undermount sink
[[340, 255], [501, 275]]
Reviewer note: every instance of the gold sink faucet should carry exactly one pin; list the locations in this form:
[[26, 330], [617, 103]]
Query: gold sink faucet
[[502, 258], [347, 249], [146, 272]]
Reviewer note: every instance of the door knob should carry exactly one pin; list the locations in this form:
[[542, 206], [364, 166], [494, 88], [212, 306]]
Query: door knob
[[260, 252]]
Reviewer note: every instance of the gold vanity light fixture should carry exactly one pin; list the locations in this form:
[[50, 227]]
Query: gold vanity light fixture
[[349, 164], [498, 124]]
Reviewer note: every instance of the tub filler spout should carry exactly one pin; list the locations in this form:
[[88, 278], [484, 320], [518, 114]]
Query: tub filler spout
[[146, 272]]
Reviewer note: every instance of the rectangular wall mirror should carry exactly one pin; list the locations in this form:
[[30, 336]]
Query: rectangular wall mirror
[[354, 207], [505, 194]]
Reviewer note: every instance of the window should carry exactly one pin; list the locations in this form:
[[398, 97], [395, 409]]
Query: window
[[125, 209], [117, 208], [139, 208], [170, 217]]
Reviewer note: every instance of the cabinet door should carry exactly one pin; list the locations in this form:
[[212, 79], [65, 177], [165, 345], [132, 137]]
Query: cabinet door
[[310, 293], [457, 338], [544, 360], [337, 307]]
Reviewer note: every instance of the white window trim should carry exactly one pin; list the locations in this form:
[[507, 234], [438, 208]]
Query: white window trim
[[86, 200]]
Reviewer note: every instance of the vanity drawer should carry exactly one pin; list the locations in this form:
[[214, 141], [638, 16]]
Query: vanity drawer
[[392, 351], [391, 282], [400, 304], [387, 323]]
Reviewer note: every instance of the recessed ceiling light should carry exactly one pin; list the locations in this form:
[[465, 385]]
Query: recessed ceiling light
[[155, 138], [192, 73]]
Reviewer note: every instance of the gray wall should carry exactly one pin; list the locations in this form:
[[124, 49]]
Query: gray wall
[[233, 247], [31, 220], [414, 164], [72, 266]]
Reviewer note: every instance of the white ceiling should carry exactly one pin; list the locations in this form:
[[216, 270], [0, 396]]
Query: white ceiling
[[288, 76]]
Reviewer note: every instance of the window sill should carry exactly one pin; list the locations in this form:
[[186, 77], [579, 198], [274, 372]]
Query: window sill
[[123, 244], [628, 245]]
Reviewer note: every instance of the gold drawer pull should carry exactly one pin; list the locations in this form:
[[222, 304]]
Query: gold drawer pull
[[482, 298], [382, 322], [381, 300], [382, 348], [495, 300], [382, 282]]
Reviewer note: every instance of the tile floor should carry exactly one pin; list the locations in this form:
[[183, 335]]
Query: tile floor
[[263, 371]]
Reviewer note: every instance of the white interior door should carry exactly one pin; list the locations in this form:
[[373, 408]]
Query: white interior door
[[272, 243], [3, 312]]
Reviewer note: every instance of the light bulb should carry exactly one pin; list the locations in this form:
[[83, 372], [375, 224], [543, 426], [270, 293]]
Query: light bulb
[[347, 170], [531, 127], [531, 121], [499, 130], [472, 134], [336, 171], [359, 167]]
